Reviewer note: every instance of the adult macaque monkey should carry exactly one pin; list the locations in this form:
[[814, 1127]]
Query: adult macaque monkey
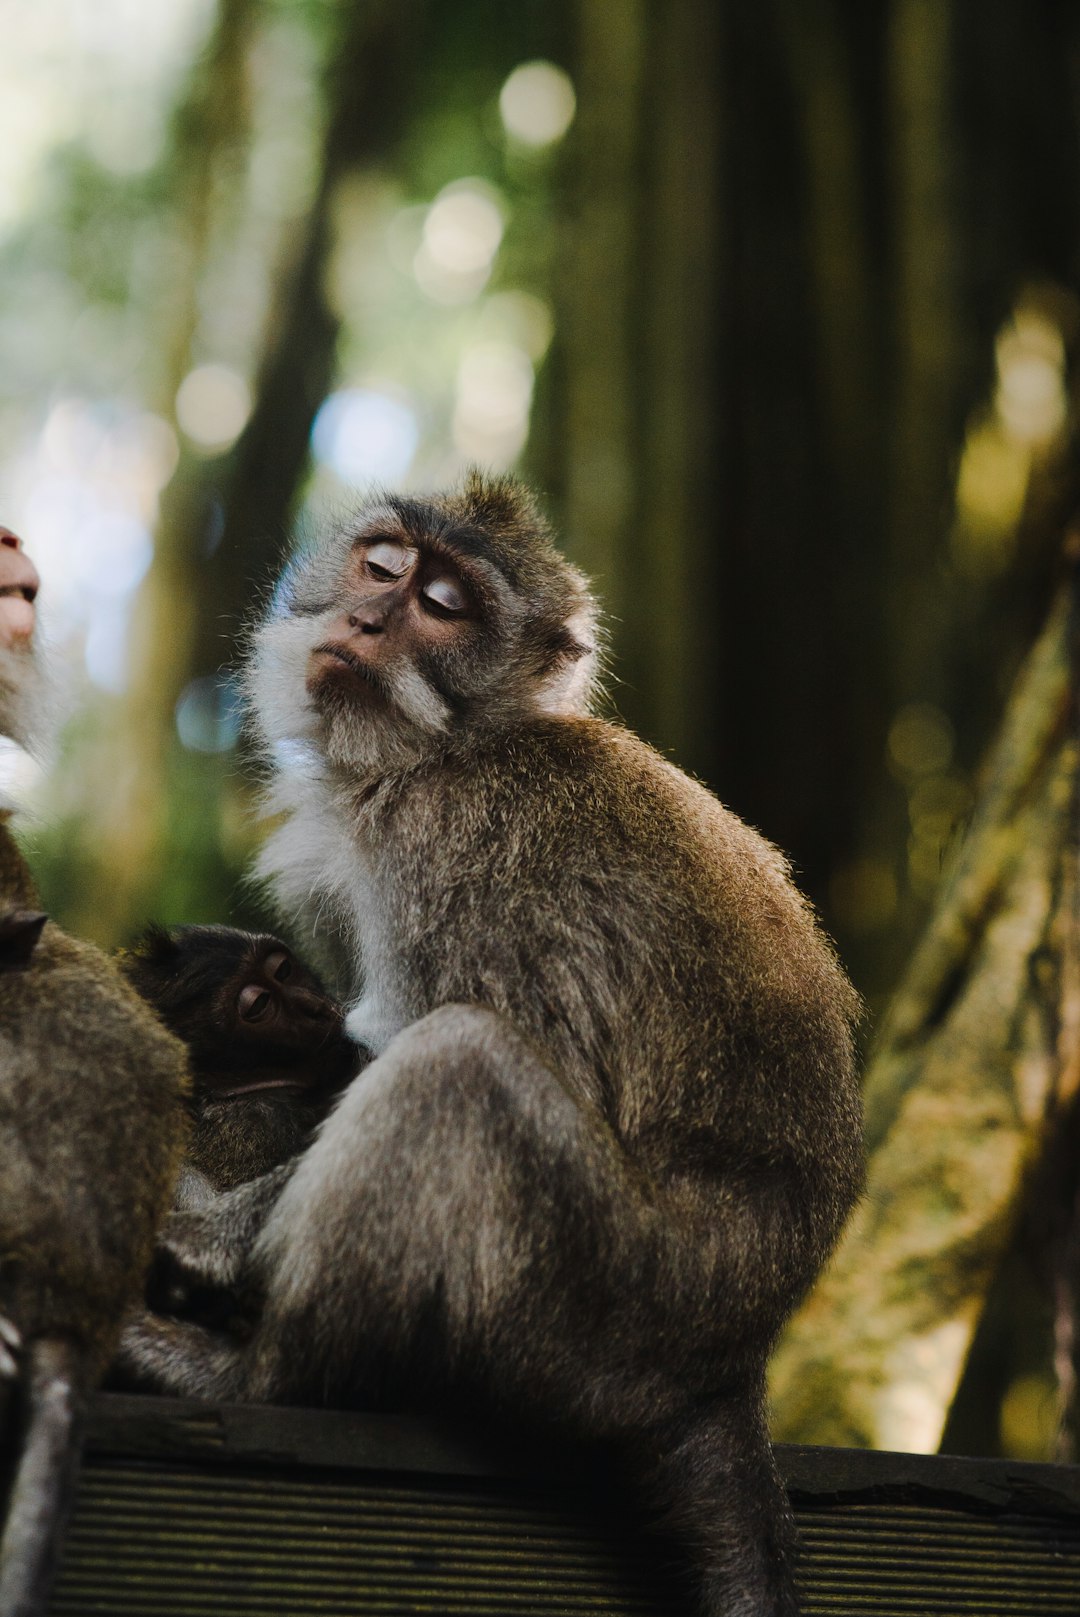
[[612, 1127], [91, 1133]]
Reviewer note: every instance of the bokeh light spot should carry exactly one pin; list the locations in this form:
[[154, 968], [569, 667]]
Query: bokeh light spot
[[920, 740], [494, 395], [208, 715], [461, 234], [1030, 398], [362, 434], [537, 103], [213, 404]]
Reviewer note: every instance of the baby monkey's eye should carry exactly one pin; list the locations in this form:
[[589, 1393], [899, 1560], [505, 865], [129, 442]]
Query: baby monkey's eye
[[253, 1002], [445, 594], [387, 560], [278, 965]]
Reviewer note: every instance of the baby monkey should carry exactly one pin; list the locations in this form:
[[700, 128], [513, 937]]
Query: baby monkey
[[266, 1043]]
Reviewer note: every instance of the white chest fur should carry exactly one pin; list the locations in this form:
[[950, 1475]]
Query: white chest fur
[[321, 869]]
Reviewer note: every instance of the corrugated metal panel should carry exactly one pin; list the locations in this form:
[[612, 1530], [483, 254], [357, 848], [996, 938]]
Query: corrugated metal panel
[[151, 1538], [146, 1542], [186, 1509]]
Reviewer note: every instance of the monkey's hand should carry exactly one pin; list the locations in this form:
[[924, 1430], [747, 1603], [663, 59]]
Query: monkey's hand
[[178, 1357], [203, 1269]]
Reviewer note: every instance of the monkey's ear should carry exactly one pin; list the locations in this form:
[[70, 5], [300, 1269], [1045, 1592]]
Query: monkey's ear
[[569, 676], [156, 943], [19, 933]]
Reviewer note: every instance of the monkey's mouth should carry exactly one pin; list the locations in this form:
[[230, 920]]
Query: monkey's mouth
[[261, 1086], [331, 662]]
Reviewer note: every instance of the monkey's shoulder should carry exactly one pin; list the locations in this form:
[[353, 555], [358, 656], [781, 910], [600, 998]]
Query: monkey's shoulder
[[591, 785]]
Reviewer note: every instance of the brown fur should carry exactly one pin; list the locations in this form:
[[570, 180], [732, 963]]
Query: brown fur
[[92, 1130]]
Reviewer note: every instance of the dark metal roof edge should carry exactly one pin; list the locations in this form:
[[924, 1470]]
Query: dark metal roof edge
[[249, 1434]]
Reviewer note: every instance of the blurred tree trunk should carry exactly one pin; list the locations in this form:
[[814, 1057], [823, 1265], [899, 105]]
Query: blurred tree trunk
[[791, 257], [639, 351], [224, 523], [978, 1060], [209, 144], [369, 91]]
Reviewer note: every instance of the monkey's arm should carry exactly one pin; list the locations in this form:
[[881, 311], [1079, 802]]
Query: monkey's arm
[[205, 1248]]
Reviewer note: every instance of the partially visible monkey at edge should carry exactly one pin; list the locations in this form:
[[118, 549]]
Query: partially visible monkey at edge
[[612, 1128], [92, 1129], [267, 1046]]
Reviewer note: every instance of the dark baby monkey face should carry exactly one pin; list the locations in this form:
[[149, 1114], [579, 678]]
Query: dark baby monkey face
[[268, 1049], [253, 1017], [276, 1027]]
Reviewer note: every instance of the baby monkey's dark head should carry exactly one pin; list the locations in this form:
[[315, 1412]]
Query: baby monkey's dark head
[[426, 623], [252, 1016], [267, 1043]]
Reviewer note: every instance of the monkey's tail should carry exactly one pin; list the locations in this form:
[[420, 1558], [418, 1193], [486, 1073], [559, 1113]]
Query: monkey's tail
[[713, 1482], [43, 1485]]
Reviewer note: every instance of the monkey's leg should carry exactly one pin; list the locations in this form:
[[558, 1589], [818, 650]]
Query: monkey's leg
[[460, 1217], [462, 1222]]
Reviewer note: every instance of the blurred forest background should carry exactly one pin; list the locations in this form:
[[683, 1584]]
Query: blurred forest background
[[776, 303]]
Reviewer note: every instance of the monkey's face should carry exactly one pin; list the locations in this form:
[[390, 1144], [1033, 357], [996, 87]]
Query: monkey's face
[[19, 585], [276, 1028], [254, 1019], [424, 623], [407, 614]]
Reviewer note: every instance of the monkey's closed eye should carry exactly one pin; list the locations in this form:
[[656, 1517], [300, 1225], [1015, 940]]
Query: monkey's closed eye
[[253, 1002], [445, 595], [386, 560]]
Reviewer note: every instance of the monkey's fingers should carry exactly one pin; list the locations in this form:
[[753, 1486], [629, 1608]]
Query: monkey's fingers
[[10, 1348]]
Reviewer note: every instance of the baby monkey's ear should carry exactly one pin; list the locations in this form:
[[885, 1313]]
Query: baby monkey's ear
[[156, 945], [19, 934]]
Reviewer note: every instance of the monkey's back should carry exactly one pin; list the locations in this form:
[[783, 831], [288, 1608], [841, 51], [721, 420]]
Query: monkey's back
[[645, 937], [92, 1127]]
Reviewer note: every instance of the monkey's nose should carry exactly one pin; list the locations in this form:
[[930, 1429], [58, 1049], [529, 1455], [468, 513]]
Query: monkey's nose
[[367, 622]]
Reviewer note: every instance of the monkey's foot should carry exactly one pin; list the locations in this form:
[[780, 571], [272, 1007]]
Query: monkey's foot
[[180, 1358], [10, 1347]]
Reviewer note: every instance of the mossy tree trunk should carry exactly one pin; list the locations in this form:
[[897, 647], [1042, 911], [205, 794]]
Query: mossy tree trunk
[[978, 1060]]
